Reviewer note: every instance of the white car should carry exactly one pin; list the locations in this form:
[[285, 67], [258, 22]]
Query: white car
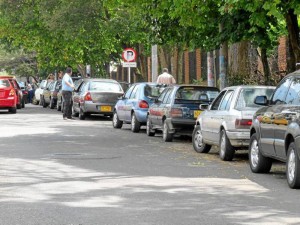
[[226, 123], [38, 92]]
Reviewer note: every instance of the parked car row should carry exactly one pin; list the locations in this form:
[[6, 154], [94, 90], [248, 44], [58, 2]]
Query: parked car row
[[265, 120]]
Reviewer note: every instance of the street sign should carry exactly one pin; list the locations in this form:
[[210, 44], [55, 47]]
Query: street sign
[[129, 64], [129, 55]]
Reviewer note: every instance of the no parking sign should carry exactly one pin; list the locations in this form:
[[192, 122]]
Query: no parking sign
[[129, 55]]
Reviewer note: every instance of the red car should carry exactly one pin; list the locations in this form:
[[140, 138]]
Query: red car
[[8, 95]]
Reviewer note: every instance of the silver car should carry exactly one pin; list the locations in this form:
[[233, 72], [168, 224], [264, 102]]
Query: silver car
[[96, 96], [226, 122]]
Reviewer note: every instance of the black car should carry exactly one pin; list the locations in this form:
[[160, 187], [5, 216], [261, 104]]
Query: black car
[[275, 130], [177, 108]]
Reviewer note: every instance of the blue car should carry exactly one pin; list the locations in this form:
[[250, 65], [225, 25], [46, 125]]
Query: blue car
[[177, 108], [132, 108]]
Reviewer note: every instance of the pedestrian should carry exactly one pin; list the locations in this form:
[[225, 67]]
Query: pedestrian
[[50, 78], [30, 92], [88, 75], [67, 88], [60, 75], [165, 78]]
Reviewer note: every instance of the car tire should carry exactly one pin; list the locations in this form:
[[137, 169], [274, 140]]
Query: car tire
[[74, 113], [44, 104], [258, 162], [41, 100], [167, 136], [82, 115], [150, 132], [197, 139], [293, 167], [226, 149], [58, 107], [116, 122], [52, 103], [34, 101], [23, 103], [19, 106], [13, 110], [135, 124]]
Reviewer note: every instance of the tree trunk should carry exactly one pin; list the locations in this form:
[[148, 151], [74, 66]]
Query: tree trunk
[[265, 63], [293, 30]]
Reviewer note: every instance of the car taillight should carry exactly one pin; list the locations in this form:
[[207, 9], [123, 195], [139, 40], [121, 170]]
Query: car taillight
[[12, 92], [242, 123], [143, 104], [88, 97], [175, 112]]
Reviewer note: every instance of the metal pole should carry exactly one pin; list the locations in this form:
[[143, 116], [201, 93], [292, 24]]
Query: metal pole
[[154, 63], [129, 75]]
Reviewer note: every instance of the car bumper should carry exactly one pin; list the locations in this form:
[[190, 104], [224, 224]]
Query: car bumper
[[184, 126], [239, 138], [95, 108], [7, 103], [141, 115]]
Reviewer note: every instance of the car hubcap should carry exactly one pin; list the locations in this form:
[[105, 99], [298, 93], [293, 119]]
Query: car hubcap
[[148, 126], [132, 121], [198, 139], [165, 130], [254, 153], [222, 146], [115, 119], [292, 165]]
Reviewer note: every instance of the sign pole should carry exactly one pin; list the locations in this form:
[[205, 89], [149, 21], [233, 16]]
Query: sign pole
[[129, 75]]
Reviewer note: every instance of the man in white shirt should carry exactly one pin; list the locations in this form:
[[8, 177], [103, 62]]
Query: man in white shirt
[[67, 88], [165, 78]]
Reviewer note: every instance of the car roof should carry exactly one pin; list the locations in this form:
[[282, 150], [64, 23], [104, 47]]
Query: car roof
[[249, 86], [100, 79]]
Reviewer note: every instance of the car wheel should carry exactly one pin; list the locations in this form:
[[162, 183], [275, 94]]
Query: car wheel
[[13, 110], [74, 113], [19, 106], [52, 103], [23, 103], [197, 139], [226, 150], [116, 122], [167, 136], [34, 101], [41, 100], [135, 124], [258, 162], [58, 107], [44, 103], [82, 115], [149, 130], [293, 167]]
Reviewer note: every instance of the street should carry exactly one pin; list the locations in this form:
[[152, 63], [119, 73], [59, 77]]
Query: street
[[56, 172]]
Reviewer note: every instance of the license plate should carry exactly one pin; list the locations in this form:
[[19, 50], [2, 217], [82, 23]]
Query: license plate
[[197, 113], [105, 108]]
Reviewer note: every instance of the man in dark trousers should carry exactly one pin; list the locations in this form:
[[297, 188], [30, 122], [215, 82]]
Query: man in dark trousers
[[67, 88]]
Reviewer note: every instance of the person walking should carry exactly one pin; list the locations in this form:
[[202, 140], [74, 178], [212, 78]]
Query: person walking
[[165, 78], [67, 88], [30, 92]]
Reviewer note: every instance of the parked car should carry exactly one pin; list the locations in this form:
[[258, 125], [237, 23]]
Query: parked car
[[8, 95], [23, 87], [226, 123], [49, 95], [176, 109], [96, 96], [275, 132], [17, 88], [132, 108], [38, 92]]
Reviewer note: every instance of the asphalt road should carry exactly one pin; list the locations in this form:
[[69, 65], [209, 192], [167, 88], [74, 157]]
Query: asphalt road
[[56, 172]]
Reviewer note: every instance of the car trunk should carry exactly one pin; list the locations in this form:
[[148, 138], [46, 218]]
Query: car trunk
[[4, 92], [189, 110], [105, 97]]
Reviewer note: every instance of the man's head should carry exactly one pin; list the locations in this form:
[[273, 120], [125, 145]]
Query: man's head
[[69, 70], [165, 70]]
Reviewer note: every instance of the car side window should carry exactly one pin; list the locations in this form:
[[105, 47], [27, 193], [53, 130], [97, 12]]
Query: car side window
[[129, 91], [162, 95], [225, 104], [293, 95], [281, 92], [216, 103], [134, 92], [167, 98]]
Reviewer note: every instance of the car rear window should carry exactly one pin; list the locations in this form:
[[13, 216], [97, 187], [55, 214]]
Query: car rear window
[[195, 94], [247, 96], [4, 83], [105, 86], [153, 90]]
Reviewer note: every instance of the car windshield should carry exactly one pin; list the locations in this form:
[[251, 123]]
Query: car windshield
[[247, 96], [4, 83], [105, 86], [195, 94], [153, 90]]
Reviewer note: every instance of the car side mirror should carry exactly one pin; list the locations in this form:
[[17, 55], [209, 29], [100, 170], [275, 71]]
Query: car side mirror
[[261, 100], [203, 106]]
